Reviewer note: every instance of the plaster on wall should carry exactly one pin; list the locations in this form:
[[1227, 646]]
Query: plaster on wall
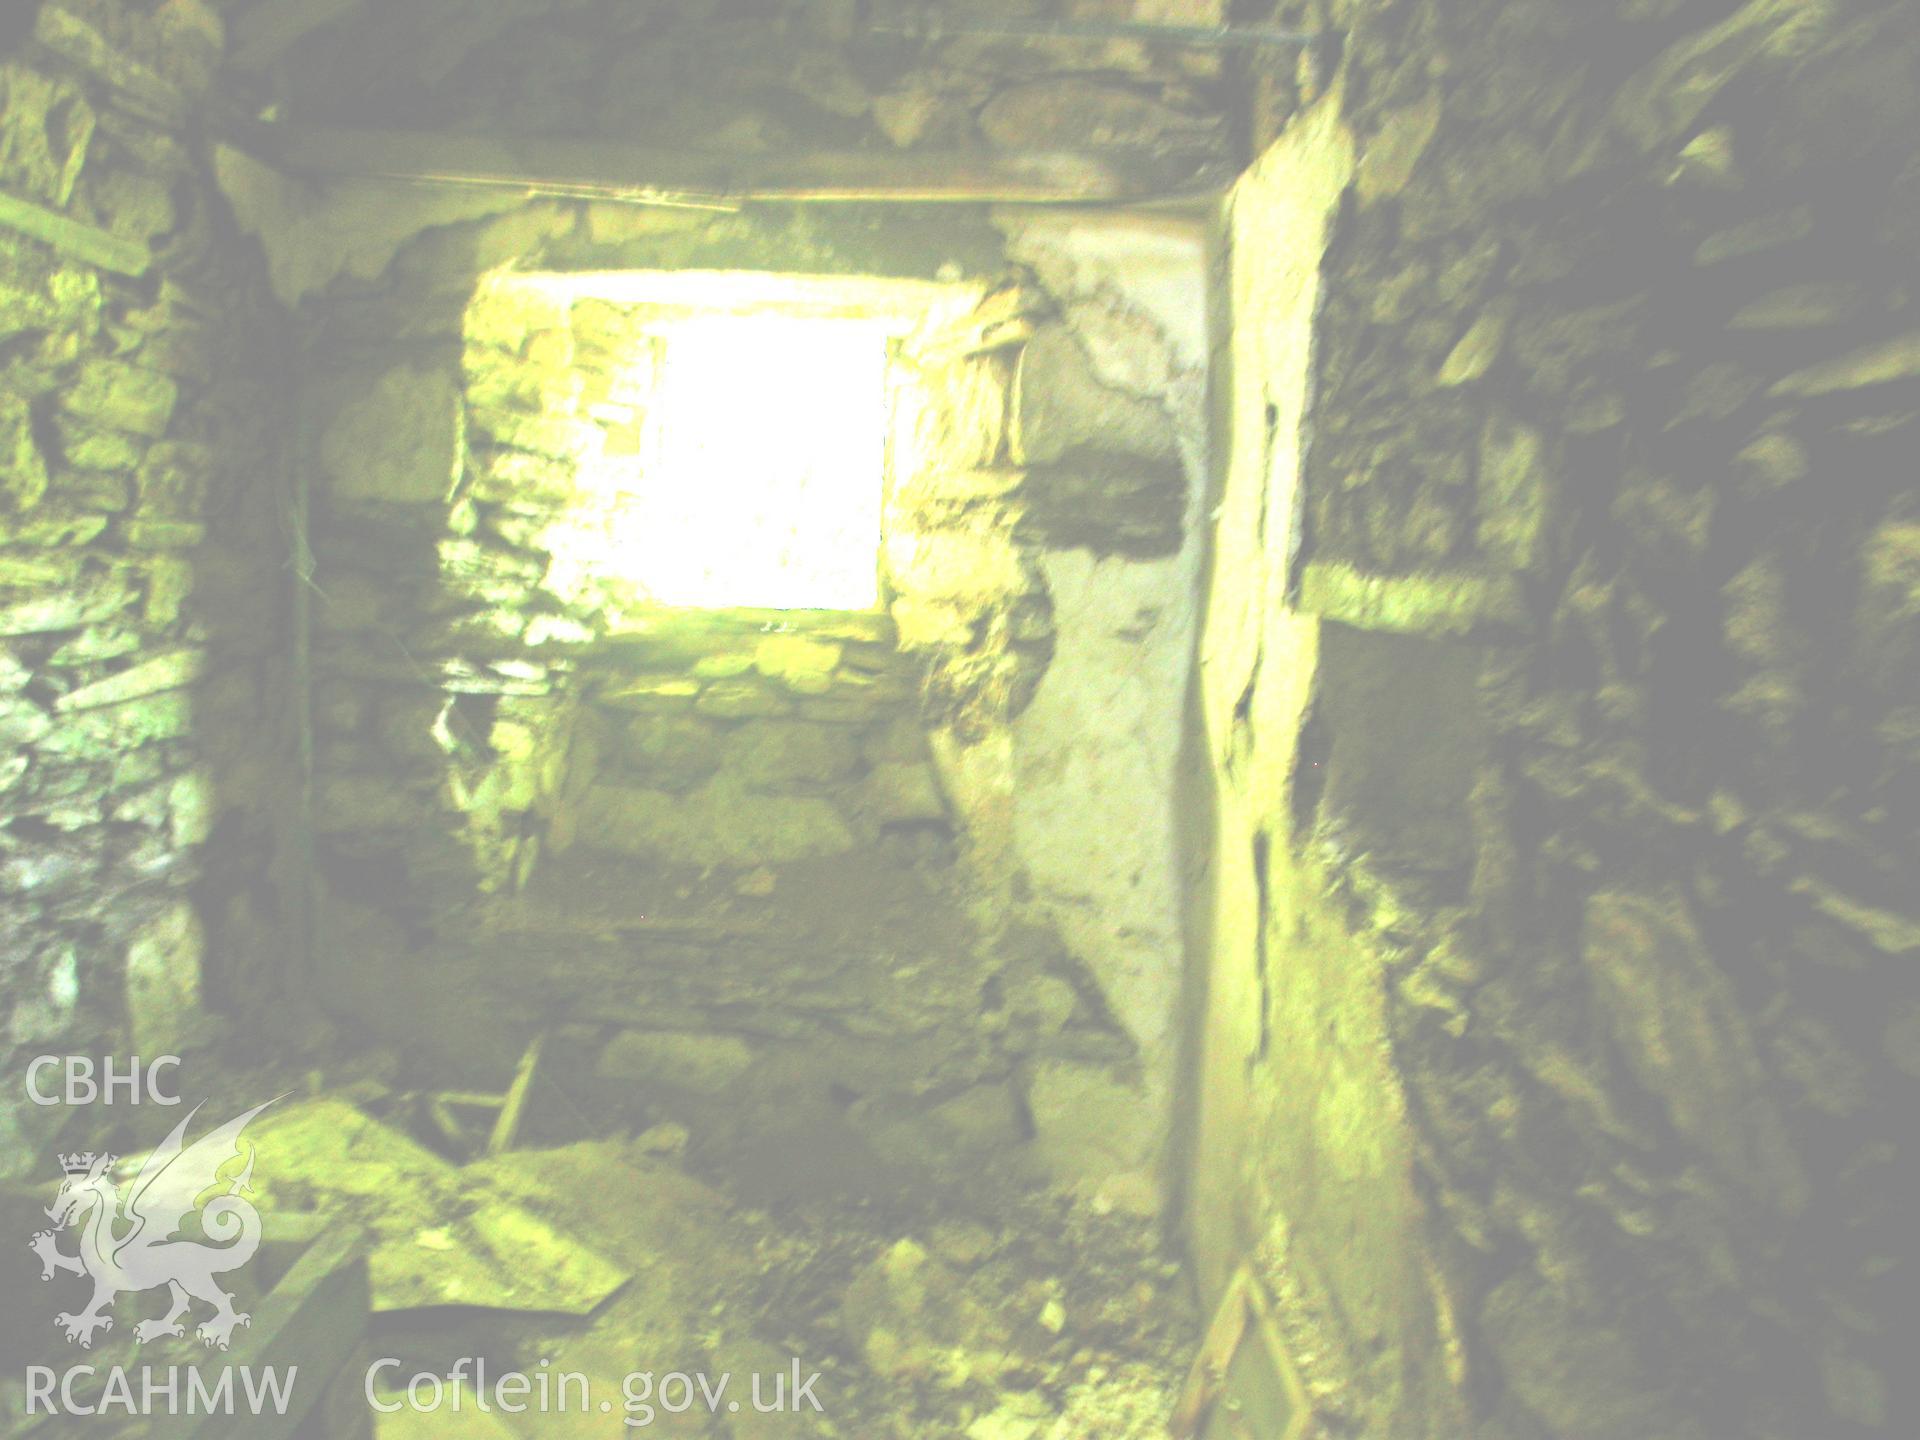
[[1095, 755], [1300, 1151]]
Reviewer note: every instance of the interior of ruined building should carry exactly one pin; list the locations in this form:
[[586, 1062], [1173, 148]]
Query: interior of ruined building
[[999, 720]]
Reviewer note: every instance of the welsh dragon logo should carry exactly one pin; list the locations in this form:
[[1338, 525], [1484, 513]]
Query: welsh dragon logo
[[131, 1244]]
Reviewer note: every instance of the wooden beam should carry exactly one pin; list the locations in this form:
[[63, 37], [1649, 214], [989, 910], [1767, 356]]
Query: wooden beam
[[1207, 37], [612, 170], [84, 242], [267, 31], [506, 1126]]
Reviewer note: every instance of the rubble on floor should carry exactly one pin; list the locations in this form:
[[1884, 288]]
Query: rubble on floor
[[1032, 1315]]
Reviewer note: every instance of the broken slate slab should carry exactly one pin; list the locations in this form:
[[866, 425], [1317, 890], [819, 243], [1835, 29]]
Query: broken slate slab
[[439, 1235], [172, 671], [1883, 364], [85, 242]]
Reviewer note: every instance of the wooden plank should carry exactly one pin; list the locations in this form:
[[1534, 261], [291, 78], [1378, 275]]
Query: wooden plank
[[296, 1230], [1280, 1362], [610, 170], [84, 242], [471, 1099], [448, 1124], [506, 1125], [1244, 1313], [313, 1320], [1209, 1372], [343, 1412], [267, 31]]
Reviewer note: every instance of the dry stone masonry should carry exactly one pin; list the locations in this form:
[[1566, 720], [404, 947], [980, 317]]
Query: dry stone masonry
[[1606, 518], [496, 702], [501, 721], [148, 869], [1387, 735]]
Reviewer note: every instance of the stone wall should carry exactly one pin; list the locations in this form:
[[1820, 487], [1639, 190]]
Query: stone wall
[[1588, 846], [500, 717], [1054, 440], [466, 721], [1298, 1160], [149, 865]]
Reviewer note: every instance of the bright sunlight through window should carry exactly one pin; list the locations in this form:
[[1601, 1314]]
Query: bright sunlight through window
[[764, 486]]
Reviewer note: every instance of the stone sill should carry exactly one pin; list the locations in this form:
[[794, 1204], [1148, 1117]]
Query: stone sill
[[1454, 602], [698, 628]]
